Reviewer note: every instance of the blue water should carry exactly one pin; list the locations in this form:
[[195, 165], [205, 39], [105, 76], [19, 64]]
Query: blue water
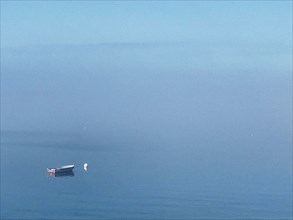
[[134, 179], [188, 130]]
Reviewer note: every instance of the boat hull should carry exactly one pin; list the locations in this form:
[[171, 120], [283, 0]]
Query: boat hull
[[64, 174], [64, 169]]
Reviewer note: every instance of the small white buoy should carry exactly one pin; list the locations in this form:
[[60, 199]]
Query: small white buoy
[[85, 166]]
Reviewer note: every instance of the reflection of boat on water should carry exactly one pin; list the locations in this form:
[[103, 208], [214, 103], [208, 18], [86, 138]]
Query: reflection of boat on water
[[61, 171]]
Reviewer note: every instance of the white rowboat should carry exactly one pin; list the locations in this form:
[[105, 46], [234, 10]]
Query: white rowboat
[[63, 169]]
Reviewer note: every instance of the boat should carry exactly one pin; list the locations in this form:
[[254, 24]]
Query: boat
[[63, 169]]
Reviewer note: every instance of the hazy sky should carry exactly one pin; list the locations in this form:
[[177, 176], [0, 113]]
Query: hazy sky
[[87, 64], [90, 22]]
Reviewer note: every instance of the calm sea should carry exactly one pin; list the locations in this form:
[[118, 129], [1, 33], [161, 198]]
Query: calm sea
[[132, 178]]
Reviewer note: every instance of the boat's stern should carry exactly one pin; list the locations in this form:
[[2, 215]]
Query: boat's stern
[[51, 170]]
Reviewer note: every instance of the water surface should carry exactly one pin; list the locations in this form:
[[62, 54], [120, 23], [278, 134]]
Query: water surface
[[134, 180]]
